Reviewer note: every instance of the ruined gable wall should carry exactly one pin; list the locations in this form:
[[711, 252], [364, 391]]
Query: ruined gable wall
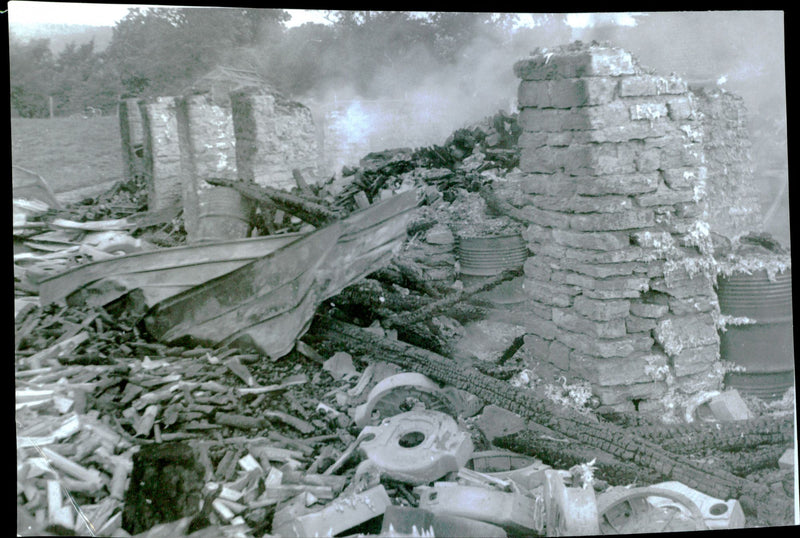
[[613, 184]]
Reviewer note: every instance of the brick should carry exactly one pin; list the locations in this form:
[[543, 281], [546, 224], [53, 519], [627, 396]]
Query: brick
[[647, 111], [637, 368], [601, 222], [566, 93], [635, 324], [644, 85], [678, 333], [611, 294], [576, 323], [594, 61], [681, 108], [693, 360], [683, 178], [729, 406], [592, 240], [601, 310], [665, 196]]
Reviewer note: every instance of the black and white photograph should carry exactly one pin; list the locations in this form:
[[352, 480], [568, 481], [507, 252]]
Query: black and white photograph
[[293, 272]]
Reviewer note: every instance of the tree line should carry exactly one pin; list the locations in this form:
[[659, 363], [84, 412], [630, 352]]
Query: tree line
[[161, 51]]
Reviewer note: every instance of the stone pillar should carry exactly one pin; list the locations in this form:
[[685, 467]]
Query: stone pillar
[[273, 137], [207, 149], [732, 205], [612, 176], [161, 157], [132, 135]]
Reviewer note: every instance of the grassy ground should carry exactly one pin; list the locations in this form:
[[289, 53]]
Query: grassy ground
[[77, 157]]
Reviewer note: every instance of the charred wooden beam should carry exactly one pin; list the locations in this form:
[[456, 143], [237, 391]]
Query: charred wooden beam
[[624, 445], [311, 212]]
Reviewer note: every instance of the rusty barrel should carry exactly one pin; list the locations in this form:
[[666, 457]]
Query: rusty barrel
[[490, 255], [223, 214], [764, 347]]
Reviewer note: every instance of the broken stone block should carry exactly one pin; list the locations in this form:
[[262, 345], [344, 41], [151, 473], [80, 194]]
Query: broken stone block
[[601, 310], [439, 235], [635, 324], [576, 323], [635, 183], [691, 305], [691, 361], [550, 293], [637, 368], [647, 111], [665, 196], [497, 422], [683, 178], [645, 85], [542, 217], [550, 120], [566, 93], [537, 347], [601, 222], [729, 406], [592, 240], [685, 332], [589, 62], [680, 108], [558, 355], [605, 348], [541, 327], [583, 204]]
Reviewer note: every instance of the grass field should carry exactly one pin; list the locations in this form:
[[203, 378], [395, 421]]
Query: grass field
[[77, 157]]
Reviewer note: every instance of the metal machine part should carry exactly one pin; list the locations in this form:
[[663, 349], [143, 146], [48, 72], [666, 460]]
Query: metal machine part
[[416, 447], [400, 393]]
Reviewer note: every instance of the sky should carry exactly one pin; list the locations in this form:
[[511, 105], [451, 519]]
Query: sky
[[24, 12]]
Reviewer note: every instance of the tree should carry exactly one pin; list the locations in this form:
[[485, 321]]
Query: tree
[[163, 50], [31, 67]]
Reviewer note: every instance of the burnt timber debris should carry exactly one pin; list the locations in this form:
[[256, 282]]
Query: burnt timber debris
[[354, 367]]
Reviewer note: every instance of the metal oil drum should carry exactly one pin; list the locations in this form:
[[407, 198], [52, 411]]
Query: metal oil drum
[[490, 255], [764, 347], [223, 214]]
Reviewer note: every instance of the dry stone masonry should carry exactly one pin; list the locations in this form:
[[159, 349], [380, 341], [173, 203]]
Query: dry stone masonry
[[732, 205], [132, 135], [161, 155], [207, 148], [274, 136], [612, 187]]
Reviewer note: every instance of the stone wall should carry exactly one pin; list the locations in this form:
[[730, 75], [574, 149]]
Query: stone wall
[[612, 185], [161, 155], [273, 137], [132, 136], [732, 205], [207, 149]]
